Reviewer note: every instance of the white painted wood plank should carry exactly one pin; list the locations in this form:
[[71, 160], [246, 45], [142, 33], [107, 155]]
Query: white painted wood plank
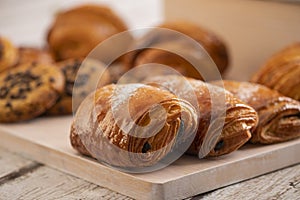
[[10, 162], [282, 184], [47, 183]]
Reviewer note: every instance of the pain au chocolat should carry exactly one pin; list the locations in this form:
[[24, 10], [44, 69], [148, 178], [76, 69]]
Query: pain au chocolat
[[179, 45], [131, 125], [282, 72], [279, 116], [225, 122]]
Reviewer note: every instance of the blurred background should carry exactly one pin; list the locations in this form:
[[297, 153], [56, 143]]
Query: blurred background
[[253, 30], [26, 22]]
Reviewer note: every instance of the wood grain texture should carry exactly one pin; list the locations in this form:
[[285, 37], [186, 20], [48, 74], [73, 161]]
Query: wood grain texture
[[282, 184], [11, 163], [186, 177], [47, 183]]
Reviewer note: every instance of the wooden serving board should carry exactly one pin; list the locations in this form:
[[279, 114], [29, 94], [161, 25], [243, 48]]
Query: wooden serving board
[[46, 140]]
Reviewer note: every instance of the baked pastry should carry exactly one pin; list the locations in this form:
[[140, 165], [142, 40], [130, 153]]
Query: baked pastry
[[75, 32], [279, 116], [174, 49], [282, 71], [120, 125], [30, 55], [28, 90], [87, 81], [8, 54], [225, 122]]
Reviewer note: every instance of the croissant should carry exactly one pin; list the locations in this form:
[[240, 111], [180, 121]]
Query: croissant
[[282, 71], [173, 49], [77, 31], [152, 129], [279, 116], [8, 54], [30, 55], [86, 79], [225, 122]]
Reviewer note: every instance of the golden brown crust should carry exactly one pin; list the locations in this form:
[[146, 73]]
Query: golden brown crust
[[77, 31], [282, 71], [31, 55], [125, 146], [174, 43], [28, 90], [8, 54], [70, 68], [223, 126], [279, 116]]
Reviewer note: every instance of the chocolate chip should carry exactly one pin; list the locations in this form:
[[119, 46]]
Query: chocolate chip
[[38, 84], [219, 145], [3, 92], [8, 105], [52, 80], [82, 80], [146, 147]]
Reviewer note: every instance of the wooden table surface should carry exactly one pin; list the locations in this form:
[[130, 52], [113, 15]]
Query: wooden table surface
[[21, 178]]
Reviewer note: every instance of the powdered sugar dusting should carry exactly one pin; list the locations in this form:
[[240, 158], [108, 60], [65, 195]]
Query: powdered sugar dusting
[[247, 91]]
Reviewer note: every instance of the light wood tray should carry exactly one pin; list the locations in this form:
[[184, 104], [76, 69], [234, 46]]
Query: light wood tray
[[46, 140]]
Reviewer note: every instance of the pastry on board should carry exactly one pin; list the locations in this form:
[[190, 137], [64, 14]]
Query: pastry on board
[[33, 54], [77, 31], [92, 74], [28, 90], [225, 122], [279, 116], [132, 125], [8, 54], [179, 44], [281, 72]]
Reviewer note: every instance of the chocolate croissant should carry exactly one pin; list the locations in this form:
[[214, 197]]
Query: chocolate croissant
[[225, 122], [77, 31], [8, 54], [282, 71], [279, 116], [172, 48], [132, 125]]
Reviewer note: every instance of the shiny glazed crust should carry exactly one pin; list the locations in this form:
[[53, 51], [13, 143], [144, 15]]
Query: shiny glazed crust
[[223, 126], [101, 129], [279, 116], [282, 71]]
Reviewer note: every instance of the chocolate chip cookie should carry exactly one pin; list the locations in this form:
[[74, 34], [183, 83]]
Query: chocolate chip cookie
[[85, 80], [28, 90]]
